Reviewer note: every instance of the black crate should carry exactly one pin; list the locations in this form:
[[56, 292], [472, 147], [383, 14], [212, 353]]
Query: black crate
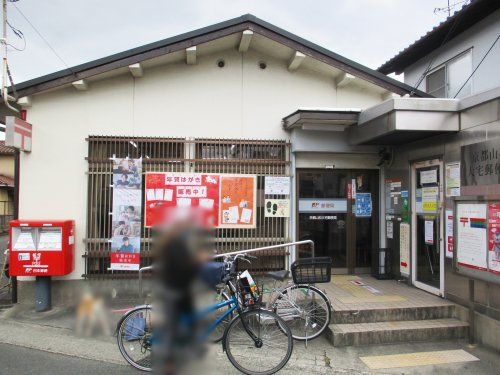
[[312, 270]]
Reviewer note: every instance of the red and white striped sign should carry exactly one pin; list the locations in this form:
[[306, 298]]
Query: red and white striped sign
[[18, 133]]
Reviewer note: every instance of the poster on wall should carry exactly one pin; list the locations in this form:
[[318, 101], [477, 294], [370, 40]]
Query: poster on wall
[[471, 235], [165, 190], [393, 196], [449, 233], [277, 185], [389, 229], [363, 204], [494, 238], [404, 248], [452, 179], [127, 213], [277, 208], [238, 201]]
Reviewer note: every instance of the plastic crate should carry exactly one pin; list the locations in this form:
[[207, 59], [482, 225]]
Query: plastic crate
[[312, 270]]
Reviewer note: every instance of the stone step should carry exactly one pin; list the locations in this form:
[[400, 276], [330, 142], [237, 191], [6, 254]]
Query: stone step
[[390, 314], [396, 331]]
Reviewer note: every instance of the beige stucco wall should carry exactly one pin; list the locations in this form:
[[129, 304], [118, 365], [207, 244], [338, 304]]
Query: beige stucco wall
[[7, 165], [202, 100]]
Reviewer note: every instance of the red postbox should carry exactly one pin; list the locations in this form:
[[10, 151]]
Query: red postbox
[[41, 247]]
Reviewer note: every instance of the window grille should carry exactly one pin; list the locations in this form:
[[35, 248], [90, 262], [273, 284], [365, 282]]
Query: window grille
[[259, 157]]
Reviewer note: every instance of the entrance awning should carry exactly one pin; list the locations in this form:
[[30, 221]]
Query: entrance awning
[[326, 119], [402, 120]]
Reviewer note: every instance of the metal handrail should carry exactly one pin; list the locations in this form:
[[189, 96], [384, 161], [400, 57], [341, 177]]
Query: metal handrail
[[304, 242], [271, 247]]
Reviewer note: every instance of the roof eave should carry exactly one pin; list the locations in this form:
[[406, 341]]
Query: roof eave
[[207, 34]]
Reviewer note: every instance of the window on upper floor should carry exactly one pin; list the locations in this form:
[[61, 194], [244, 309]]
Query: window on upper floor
[[449, 80]]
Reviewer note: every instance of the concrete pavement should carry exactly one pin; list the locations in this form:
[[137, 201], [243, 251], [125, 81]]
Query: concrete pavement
[[318, 358]]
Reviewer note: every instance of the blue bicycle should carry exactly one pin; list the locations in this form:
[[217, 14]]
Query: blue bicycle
[[256, 341]]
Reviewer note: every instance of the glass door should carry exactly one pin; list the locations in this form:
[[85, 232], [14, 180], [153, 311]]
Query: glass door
[[322, 213], [365, 201], [338, 210], [427, 250]]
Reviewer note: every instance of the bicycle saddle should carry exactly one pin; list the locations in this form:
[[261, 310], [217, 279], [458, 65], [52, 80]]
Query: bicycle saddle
[[278, 275]]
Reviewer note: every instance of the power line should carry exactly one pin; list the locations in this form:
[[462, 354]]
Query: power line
[[478, 65], [448, 34], [42, 37], [19, 34]]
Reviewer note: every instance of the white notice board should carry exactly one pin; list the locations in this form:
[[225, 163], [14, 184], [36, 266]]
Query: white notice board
[[471, 227], [476, 237]]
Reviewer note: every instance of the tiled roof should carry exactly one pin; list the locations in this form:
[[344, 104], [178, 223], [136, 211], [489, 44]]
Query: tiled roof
[[458, 22], [6, 181], [6, 150]]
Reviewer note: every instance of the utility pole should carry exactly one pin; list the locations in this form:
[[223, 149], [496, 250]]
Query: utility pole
[[5, 93], [4, 42]]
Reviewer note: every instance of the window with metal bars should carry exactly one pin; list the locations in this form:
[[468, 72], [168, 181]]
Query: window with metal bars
[[258, 157]]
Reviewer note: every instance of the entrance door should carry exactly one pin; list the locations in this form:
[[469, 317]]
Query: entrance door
[[427, 226], [328, 215]]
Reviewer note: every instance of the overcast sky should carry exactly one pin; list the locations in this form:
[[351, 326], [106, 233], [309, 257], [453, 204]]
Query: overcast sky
[[367, 31]]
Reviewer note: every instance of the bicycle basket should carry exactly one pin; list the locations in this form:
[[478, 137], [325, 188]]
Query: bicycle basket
[[251, 294], [312, 270]]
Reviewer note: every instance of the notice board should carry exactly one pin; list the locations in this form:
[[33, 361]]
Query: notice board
[[174, 189], [229, 201], [238, 201], [477, 238]]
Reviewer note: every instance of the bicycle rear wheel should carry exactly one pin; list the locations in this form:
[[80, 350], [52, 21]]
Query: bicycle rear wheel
[[273, 346], [305, 309], [134, 338]]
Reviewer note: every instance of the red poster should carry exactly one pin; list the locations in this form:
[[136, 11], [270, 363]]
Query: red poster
[[494, 237], [173, 189]]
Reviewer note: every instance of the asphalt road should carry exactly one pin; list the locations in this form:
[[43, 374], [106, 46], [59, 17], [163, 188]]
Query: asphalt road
[[18, 360]]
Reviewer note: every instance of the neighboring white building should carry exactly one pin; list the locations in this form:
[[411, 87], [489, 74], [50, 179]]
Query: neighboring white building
[[441, 61]]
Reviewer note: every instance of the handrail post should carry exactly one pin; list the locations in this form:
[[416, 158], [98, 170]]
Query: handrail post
[[141, 270]]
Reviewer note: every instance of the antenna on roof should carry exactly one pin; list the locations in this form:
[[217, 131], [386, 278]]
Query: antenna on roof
[[449, 8]]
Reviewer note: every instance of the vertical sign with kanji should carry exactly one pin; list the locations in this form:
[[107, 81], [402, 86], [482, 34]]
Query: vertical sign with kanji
[[127, 214]]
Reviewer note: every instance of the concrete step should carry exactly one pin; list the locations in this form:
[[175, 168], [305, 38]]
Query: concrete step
[[396, 331], [390, 314]]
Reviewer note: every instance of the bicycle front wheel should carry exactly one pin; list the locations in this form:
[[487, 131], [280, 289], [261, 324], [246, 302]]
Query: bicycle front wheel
[[255, 343], [305, 309], [134, 338]]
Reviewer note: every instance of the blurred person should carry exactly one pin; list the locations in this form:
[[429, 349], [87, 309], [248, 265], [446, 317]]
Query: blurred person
[[181, 248]]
